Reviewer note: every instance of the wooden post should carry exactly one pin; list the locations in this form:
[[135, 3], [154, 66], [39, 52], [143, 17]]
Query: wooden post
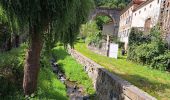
[[107, 45]]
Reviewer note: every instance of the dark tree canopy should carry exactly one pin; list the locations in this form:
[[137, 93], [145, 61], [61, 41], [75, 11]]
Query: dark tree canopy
[[112, 3], [65, 16]]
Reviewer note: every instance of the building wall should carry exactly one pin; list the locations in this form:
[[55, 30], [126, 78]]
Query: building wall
[[136, 16], [165, 19], [150, 9], [125, 24]]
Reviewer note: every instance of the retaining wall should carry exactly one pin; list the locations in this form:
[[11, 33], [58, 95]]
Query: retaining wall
[[109, 86]]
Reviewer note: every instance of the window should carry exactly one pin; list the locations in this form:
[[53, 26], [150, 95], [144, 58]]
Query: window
[[150, 5], [126, 20], [135, 14], [158, 1], [145, 9], [139, 12]]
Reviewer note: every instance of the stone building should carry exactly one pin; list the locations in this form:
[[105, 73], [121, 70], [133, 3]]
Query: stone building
[[146, 15], [165, 19], [142, 14], [125, 23]]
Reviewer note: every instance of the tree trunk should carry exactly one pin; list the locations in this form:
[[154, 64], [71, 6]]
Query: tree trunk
[[8, 44], [17, 41], [32, 64]]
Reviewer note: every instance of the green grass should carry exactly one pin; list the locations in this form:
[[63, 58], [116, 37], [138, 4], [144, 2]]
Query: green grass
[[73, 70], [49, 87], [154, 82]]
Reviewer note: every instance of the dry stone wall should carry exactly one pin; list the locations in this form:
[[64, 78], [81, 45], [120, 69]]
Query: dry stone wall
[[109, 86]]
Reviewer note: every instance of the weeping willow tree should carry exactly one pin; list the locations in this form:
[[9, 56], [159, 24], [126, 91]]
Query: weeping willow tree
[[63, 17]]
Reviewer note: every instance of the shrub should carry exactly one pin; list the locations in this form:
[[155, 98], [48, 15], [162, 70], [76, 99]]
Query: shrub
[[121, 44], [148, 49], [137, 37], [92, 34], [11, 73], [162, 62]]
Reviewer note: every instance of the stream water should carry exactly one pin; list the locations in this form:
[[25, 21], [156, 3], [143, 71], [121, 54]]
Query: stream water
[[74, 91]]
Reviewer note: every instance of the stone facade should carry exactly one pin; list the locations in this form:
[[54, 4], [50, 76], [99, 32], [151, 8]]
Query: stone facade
[[165, 19], [109, 86], [146, 12], [143, 15], [125, 23]]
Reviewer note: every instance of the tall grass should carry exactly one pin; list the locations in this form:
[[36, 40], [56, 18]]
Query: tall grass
[[73, 70]]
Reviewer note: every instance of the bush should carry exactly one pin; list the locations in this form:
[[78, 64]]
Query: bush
[[148, 49], [121, 44], [92, 34], [11, 73], [137, 37], [162, 62]]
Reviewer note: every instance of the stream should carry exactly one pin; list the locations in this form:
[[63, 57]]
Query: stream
[[74, 91]]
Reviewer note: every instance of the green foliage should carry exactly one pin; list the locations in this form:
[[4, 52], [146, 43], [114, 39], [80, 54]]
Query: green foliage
[[92, 33], [101, 20], [49, 87], [121, 44], [3, 17], [73, 70], [13, 58], [89, 29], [161, 61], [148, 49], [11, 73], [64, 17], [4, 34], [11, 76], [112, 3], [136, 37]]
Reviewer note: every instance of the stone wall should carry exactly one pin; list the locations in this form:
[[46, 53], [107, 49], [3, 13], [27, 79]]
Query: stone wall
[[109, 86], [101, 51]]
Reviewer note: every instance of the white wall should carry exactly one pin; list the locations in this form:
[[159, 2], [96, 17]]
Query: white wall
[[168, 40], [151, 10], [138, 19], [125, 24]]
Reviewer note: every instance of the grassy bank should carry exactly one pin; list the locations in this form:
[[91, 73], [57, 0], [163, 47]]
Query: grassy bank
[[156, 83], [49, 87], [73, 70], [11, 76]]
